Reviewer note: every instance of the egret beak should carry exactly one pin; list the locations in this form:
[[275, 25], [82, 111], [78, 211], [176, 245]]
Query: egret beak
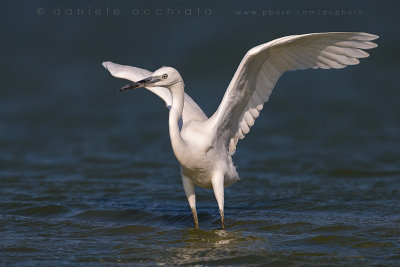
[[141, 83]]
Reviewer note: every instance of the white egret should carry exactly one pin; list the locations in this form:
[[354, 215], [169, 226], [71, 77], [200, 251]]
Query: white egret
[[204, 146]]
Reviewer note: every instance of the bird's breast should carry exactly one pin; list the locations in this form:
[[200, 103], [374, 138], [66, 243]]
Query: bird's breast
[[200, 159]]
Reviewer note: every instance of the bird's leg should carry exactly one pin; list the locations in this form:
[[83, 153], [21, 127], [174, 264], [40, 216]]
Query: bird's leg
[[218, 186], [190, 194]]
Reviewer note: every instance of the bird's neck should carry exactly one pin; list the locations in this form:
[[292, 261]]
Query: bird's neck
[[178, 144]]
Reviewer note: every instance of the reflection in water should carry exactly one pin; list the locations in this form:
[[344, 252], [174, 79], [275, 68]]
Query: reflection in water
[[203, 247]]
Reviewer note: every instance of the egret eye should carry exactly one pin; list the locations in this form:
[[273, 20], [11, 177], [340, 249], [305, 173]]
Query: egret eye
[[164, 76]]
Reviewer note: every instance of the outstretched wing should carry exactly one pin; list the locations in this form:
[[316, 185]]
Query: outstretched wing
[[191, 111], [262, 66]]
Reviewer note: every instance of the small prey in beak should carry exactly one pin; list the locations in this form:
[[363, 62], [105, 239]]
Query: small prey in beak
[[141, 83]]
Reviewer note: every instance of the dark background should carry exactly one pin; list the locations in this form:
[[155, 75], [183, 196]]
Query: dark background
[[55, 91]]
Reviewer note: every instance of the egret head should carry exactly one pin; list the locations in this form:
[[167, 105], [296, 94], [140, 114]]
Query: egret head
[[165, 76]]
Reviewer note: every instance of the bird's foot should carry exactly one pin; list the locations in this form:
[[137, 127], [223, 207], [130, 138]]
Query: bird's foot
[[195, 219], [221, 213]]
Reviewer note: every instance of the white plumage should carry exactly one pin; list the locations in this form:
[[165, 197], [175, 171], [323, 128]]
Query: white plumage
[[204, 146]]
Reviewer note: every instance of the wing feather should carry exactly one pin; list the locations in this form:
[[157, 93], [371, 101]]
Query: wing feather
[[263, 65], [191, 111]]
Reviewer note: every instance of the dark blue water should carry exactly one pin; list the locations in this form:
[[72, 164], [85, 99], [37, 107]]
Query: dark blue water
[[87, 174]]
